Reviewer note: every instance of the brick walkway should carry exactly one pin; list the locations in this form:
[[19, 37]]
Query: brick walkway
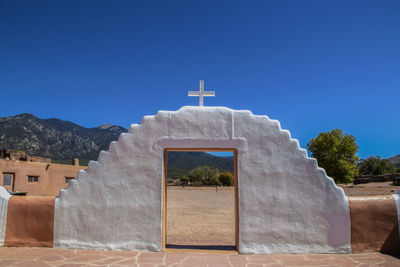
[[43, 257]]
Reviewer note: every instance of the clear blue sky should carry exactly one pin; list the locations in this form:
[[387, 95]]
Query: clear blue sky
[[313, 65]]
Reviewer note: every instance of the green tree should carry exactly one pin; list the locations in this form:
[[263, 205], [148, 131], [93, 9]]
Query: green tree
[[375, 166], [226, 178], [336, 153], [203, 174]]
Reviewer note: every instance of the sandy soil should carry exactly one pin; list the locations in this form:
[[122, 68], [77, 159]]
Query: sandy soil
[[370, 189], [202, 216]]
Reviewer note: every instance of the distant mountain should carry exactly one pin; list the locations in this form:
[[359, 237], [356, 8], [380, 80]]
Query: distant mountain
[[180, 163], [112, 128], [55, 138], [395, 160]]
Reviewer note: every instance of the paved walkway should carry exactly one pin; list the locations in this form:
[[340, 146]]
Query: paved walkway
[[44, 257]]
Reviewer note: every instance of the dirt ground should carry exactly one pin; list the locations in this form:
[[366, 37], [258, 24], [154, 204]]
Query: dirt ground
[[370, 189], [202, 216]]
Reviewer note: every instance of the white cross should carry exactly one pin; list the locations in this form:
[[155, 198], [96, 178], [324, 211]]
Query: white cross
[[201, 93]]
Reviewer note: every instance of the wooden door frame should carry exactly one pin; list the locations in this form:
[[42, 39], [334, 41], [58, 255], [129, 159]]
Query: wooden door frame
[[164, 194]]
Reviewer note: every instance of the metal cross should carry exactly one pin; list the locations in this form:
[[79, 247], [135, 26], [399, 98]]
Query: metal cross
[[201, 93]]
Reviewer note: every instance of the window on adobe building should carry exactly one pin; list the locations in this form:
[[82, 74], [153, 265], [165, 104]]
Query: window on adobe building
[[8, 179], [32, 179], [68, 179]]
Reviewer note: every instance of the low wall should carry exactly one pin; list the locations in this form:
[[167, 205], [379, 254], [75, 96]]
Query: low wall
[[374, 224], [29, 221]]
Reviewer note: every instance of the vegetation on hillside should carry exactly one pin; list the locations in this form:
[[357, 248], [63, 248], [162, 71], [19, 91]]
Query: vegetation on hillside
[[181, 163], [204, 176]]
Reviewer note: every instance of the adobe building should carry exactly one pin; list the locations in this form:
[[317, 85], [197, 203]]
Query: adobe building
[[35, 176]]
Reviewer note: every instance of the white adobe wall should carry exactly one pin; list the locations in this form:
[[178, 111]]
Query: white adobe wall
[[4, 197], [286, 203], [396, 198]]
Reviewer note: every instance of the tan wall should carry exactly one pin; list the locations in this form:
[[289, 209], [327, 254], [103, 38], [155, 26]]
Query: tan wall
[[30, 222], [374, 224], [51, 176]]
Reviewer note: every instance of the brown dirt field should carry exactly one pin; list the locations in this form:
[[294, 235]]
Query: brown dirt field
[[201, 216], [370, 189]]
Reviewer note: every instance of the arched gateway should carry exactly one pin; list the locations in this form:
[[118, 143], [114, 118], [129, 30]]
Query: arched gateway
[[286, 203]]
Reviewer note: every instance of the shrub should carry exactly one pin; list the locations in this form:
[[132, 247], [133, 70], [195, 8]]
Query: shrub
[[226, 178], [202, 174], [215, 181], [184, 180]]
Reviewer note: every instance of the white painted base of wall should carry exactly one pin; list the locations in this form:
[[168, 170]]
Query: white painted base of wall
[[4, 197], [396, 198]]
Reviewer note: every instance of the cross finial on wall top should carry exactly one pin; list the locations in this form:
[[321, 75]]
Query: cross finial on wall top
[[201, 93]]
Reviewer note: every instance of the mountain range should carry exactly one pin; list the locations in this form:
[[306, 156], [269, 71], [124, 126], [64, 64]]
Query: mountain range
[[55, 138]]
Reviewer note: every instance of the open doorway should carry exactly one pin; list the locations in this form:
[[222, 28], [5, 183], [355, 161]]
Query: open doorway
[[200, 199]]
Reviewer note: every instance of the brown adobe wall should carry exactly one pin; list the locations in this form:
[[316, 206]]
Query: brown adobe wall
[[51, 176], [374, 225], [30, 222], [56, 177]]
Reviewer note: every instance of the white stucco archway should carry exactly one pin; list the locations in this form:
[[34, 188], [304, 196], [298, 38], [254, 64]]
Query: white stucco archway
[[286, 202]]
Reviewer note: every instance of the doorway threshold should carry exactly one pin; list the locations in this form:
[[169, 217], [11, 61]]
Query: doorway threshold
[[201, 249]]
